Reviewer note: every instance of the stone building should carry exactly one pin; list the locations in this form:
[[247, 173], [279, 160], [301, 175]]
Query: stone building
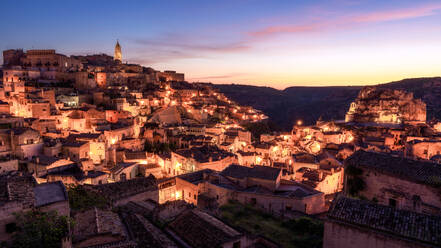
[[259, 186], [199, 158], [120, 193], [379, 105], [21, 142], [41, 60], [423, 149], [356, 223], [395, 181], [327, 180], [20, 192], [96, 227]]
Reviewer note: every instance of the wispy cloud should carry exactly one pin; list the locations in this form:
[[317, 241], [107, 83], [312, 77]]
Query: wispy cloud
[[373, 17], [149, 57], [174, 46], [196, 46], [394, 15], [227, 76]]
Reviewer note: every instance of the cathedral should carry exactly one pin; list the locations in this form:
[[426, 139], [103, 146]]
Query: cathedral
[[118, 53]]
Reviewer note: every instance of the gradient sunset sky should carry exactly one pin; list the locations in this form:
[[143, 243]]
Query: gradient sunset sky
[[274, 43]]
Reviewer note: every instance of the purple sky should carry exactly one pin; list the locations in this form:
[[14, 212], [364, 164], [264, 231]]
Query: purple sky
[[272, 43]]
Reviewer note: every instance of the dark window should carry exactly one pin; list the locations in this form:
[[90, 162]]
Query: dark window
[[122, 176], [236, 244], [253, 201], [392, 202], [194, 196], [11, 227]]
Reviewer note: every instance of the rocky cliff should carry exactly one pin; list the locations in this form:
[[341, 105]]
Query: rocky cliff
[[381, 105], [285, 107]]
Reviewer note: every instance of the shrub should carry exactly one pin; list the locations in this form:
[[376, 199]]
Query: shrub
[[40, 229], [81, 199]]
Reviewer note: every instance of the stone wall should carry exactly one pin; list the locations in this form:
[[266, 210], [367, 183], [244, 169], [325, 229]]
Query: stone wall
[[187, 191], [407, 194]]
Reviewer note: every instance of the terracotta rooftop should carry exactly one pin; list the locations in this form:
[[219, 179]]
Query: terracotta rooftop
[[385, 219], [424, 172]]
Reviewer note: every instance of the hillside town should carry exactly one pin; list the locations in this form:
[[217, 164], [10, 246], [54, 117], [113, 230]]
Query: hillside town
[[135, 157]]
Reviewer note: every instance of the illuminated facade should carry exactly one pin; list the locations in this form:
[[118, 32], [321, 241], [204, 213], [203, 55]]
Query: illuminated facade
[[118, 53]]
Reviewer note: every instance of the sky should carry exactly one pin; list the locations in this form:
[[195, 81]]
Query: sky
[[272, 43]]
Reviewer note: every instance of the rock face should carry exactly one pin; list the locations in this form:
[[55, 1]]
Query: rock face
[[386, 106]]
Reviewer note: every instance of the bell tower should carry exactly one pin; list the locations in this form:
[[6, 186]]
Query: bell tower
[[118, 53]]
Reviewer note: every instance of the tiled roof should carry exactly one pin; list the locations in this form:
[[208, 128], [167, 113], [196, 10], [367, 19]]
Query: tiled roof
[[195, 177], [203, 154], [385, 219], [45, 160], [75, 143], [84, 136], [17, 187], [47, 193], [21, 130], [135, 155], [199, 230], [145, 233], [121, 166], [94, 222], [94, 174], [304, 158], [262, 172], [263, 145], [118, 190], [67, 170], [424, 172]]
